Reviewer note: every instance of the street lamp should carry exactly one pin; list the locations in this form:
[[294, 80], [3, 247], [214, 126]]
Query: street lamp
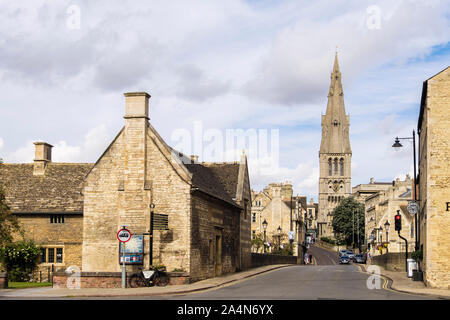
[[397, 145], [279, 237], [264, 224], [386, 227]]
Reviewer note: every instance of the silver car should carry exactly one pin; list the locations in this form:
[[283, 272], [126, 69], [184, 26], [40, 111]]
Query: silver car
[[344, 259]]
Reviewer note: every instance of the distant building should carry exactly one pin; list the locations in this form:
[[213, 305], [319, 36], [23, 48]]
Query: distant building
[[364, 190], [276, 205], [335, 155], [434, 179], [380, 210]]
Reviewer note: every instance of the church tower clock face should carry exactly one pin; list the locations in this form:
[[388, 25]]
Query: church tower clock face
[[335, 186]]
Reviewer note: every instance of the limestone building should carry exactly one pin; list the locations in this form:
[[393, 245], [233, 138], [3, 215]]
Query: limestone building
[[76, 210], [434, 179], [277, 205], [364, 190], [380, 210], [334, 156], [47, 199]]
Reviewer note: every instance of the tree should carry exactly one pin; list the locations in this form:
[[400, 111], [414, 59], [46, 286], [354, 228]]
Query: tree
[[20, 259], [348, 221], [9, 224], [258, 242]]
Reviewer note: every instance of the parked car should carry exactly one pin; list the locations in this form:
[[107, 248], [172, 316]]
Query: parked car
[[360, 258], [344, 259], [342, 252], [350, 254]]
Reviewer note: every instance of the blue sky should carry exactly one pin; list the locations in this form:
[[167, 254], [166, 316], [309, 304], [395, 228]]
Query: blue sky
[[229, 64]]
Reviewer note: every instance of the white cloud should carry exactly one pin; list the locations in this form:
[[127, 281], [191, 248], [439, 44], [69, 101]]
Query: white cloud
[[92, 146], [231, 64]]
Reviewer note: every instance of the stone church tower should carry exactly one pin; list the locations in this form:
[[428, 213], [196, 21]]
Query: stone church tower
[[335, 155]]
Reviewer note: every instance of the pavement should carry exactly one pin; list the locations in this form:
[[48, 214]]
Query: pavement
[[400, 282], [49, 292], [397, 281]]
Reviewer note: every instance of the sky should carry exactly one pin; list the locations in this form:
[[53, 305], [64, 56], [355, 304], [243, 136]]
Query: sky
[[261, 67]]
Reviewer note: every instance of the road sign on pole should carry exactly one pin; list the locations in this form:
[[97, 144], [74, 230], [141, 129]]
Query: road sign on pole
[[123, 235], [412, 207]]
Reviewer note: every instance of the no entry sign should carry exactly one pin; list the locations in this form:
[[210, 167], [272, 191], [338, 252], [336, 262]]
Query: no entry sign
[[124, 235]]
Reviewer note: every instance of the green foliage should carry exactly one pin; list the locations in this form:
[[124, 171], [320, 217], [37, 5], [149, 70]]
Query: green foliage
[[20, 259], [337, 242], [345, 220], [9, 224], [258, 242], [22, 285], [417, 255]]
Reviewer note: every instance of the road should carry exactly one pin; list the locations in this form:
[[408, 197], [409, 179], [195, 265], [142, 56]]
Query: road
[[327, 280], [323, 257]]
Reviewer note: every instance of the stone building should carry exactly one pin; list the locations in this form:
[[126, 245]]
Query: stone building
[[81, 207], [47, 199], [380, 210], [364, 190], [434, 179], [277, 205], [335, 155]]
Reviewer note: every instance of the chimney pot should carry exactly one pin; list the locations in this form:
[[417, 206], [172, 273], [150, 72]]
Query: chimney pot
[[194, 159]]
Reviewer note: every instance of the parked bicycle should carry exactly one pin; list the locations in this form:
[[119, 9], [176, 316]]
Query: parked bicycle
[[148, 278]]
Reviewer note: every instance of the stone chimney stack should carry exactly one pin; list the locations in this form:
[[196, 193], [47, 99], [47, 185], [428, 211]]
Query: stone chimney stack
[[42, 156], [135, 140], [136, 105]]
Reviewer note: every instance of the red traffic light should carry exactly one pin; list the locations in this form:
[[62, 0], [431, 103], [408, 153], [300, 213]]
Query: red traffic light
[[398, 222]]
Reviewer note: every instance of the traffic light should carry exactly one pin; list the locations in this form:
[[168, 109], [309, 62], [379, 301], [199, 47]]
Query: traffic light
[[398, 221]]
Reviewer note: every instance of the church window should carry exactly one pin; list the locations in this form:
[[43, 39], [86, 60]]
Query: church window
[[330, 167], [336, 166], [341, 162]]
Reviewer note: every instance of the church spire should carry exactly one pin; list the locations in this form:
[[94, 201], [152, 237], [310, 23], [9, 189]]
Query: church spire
[[335, 123]]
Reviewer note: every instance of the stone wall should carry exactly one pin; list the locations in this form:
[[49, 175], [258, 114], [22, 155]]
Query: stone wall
[[391, 261], [67, 235], [3, 280], [265, 259], [434, 183], [212, 219], [119, 192], [108, 279]]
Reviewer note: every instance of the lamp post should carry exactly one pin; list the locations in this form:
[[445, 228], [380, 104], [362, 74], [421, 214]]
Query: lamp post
[[264, 224], [397, 145], [381, 235], [386, 227], [279, 238]]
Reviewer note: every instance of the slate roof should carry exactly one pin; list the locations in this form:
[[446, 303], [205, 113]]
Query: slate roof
[[59, 190], [219, 180]]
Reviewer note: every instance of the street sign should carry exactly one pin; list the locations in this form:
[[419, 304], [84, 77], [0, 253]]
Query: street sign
[[412, 207], [124, 235]]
